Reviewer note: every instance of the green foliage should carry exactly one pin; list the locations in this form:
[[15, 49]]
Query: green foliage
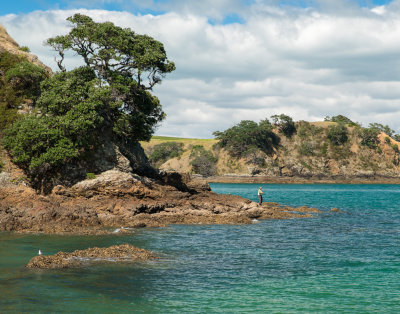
[[339, 119], [396, 137], [108, 99], [25, 48], [203, 161], [306, 129], [382, 128], [285, 124], [395, 147], [72, 115], [121, 60], [306, 149], [25, 78], [387, 140], [160, 153], [338, 134], [246, 135], [369, 137], [19, 80], [90, 176]]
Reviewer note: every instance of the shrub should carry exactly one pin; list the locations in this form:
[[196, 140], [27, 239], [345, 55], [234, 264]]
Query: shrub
[[285, 124], [90, 176], [338, 134], [306, 129], [387, 140], [369, 137], [306, 149], [339, 119], [25, 48], [395, 147], [162, 152], [203, 161]]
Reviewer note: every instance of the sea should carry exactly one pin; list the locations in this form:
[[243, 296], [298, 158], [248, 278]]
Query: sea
[[336, 262]]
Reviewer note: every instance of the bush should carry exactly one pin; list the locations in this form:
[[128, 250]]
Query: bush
[[338, 134], [285, 124], [395, 147], [339, 119], [369, 137], [306, 149], [160, 153], [203, 161], [306, 129], [25, 48], [246, 135]]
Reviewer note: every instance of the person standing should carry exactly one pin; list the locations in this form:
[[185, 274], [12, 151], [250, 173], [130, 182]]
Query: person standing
[[260, 196]]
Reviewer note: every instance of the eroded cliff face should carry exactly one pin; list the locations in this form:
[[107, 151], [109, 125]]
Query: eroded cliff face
[[7, 43]]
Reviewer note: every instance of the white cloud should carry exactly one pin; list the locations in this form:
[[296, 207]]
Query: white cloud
[[307, 63]]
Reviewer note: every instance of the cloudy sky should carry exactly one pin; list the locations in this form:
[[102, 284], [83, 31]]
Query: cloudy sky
[[248, 59]]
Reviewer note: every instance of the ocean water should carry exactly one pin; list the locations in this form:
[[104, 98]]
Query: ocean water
[[345, 262]]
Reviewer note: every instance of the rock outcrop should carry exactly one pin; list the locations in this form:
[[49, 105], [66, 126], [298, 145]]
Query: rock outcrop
[[116, 253], [114, 199]]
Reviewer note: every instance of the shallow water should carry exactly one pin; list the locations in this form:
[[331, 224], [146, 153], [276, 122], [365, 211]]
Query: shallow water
[[337, 262]]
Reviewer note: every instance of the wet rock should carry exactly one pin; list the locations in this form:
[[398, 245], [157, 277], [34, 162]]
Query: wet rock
[[78, 258]]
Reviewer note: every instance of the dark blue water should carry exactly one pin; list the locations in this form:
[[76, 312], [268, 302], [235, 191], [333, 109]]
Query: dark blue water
[[336, 262]]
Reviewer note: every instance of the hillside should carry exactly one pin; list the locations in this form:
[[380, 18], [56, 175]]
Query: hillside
[[308, 154]]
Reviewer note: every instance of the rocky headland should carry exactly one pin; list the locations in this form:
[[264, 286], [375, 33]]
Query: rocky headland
[[115, 199]]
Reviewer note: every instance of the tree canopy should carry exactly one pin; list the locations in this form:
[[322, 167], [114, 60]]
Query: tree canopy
[[240, 139]]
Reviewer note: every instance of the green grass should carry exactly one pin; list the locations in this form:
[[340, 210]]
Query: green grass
[[170, 138]]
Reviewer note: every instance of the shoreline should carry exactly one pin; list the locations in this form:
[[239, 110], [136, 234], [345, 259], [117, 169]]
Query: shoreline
[[300, 180]]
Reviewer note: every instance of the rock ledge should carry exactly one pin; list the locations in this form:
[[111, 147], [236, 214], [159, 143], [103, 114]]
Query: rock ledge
[[115, 253]]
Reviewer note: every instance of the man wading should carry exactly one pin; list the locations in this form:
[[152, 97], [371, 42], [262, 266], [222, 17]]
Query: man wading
[[260, 194]]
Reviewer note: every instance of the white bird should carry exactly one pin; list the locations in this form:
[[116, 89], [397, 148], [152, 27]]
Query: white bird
[[40, 252]]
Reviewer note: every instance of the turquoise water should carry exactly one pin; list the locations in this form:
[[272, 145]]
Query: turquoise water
[[335, 263]]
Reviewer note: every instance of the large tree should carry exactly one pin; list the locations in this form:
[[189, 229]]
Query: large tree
[[107, 99]]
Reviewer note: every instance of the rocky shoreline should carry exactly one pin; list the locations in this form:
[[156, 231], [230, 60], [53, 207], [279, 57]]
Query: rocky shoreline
[[116, 199]]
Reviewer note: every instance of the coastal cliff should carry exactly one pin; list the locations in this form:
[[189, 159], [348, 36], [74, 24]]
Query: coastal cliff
[[306, 157]]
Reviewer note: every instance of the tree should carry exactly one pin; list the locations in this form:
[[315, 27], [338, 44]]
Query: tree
[[125, 62], [285, 124], [382, 128], [246, 135], [108, 99]]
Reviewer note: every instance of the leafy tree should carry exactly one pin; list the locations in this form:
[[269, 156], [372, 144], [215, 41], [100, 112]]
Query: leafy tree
[[285, 124], [246, 135], [338, 134]]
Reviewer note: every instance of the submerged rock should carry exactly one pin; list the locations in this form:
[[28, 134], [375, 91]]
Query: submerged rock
[[116, 253]]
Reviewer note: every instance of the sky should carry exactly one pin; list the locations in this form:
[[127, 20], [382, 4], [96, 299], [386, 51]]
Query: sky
[[247, 59]]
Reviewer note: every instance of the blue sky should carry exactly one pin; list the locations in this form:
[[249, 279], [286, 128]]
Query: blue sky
[[144, 7], [247, 59]]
